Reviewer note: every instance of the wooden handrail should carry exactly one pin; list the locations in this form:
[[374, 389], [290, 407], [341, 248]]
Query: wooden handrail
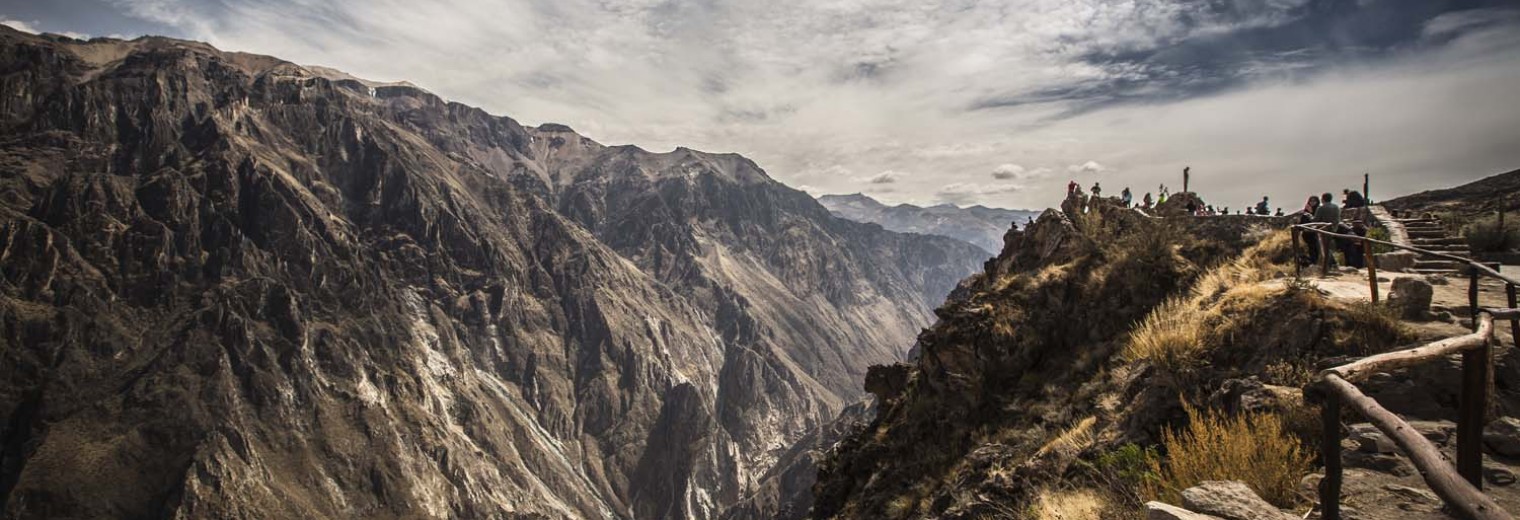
[[1315, 227], [1361, 369], [1434, 467], [1461, 486]]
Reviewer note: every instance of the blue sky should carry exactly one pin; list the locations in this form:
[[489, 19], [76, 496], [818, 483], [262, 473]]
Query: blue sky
[[956, 101]]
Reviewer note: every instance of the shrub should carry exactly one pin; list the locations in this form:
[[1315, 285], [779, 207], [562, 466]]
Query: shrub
[[1253, 448], [1487, 236], [1130, 464]]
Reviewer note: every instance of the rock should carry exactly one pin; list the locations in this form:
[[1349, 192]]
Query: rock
[[1503, 436], [1436, 279], [1397, 261], [1415, 494], [1410, 297], [1162, 511], [1380, 462], [1232, 500], [886, 382], [1498, 475], [1435, 431], [1369, 439]]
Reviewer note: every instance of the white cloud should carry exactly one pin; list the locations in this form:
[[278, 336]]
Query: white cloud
[[1007, 171], [885, 177], [965, 193], [1089, 167], [19, 25], [816, 90]]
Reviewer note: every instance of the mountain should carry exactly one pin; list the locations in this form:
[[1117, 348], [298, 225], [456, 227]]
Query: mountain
[[1481, 197], [235, 287], [979, 225]]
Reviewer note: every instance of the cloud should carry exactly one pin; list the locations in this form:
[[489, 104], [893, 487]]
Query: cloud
[[961, 193], [1007, 171], [817, 90], [885, 177], [19, 25], [1089, 167]]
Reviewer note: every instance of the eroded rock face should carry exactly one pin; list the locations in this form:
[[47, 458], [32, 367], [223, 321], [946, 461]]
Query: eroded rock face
[[233, 287]]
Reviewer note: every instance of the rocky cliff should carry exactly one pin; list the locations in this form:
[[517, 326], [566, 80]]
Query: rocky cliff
[[235, 287]]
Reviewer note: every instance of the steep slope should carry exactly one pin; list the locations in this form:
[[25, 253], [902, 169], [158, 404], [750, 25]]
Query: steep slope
[[236, 287], [1481, 197], [979, 225]]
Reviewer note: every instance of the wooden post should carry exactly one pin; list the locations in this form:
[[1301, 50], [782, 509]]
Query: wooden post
[[1473, 413], [1324, 254], [1472, 294], [1371, 267], [1514, 324], [1367, 188], [1330, 452], [1297, 266]]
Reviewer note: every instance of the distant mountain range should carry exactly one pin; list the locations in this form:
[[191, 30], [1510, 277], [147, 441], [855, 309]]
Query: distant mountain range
[[979, 225]]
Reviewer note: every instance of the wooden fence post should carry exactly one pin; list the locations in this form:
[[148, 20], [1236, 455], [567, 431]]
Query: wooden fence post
[[1324, 254], [1297, 266], [1472, 295], [1514, 325], [1473, 413], [1330, 452], [1371, 267]]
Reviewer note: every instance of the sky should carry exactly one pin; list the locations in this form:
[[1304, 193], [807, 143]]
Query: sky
[[955, 101]]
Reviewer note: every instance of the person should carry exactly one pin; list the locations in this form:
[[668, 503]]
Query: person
[[1354, 199], [1145, 202], [1279, 213], [1071, 187], [1192, 209], [1263, 208], [1097, 190], [1328, 213], [1209, 210], [1353, 250], [1187, 175], [1161, 198], [1125, 196]]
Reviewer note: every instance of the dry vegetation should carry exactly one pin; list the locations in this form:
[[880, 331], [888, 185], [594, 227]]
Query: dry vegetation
[[1254, 448]]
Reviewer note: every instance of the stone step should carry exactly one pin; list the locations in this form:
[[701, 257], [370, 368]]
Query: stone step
[[1438, 241], [1426, 234], [1418, 270], [1437, 264]]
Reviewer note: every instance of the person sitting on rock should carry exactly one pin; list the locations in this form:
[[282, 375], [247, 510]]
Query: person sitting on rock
[[1263, 208], [1126, 197], [1279, 213]]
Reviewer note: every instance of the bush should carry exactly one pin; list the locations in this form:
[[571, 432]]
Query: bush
[[1486, 236], [1253, 448]]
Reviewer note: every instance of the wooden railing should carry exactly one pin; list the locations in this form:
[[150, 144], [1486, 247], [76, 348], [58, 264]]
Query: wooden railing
[[1461, 487]]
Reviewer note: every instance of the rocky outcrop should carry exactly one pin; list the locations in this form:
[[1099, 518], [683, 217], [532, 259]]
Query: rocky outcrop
[[1230, 500], [234, 287]]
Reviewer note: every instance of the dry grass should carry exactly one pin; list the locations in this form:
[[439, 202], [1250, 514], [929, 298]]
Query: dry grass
[[1252, 448], [1069, 504], [1078, 437], [1181, 331]]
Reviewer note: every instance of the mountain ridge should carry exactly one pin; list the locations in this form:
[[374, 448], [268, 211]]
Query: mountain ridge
[[979, 225], [255, 291]]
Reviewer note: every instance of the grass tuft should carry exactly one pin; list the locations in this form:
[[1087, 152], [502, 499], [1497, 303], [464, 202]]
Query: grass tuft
[[1254, 448]]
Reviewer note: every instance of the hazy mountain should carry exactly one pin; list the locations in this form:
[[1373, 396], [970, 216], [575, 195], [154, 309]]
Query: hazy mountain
[[234, 287], [979, 225]]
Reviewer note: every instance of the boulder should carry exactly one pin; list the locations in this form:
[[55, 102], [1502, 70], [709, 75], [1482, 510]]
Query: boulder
[[1231, 500], [1503, 436], [1397, 261], [1369, 439], [1410, 298], [1163, 511]]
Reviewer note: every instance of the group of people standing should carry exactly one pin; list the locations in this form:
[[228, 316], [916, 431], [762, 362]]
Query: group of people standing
[[1324, 210]]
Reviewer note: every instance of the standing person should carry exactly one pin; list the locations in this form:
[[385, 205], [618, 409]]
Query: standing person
[[1262, 208], [1071, 187], [1097, 190], [1186, 176], [1328, 213], [1146, 201], [1353, 250], [1192, 209], [1125, 196]]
